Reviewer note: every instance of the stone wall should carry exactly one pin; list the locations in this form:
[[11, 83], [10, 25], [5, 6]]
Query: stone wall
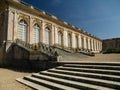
[[1, 55]]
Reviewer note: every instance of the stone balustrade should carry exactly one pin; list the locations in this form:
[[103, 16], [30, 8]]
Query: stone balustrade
[[38, 47]]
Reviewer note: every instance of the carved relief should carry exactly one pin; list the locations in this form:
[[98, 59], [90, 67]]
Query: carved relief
[[49, 25], [24, 17], [39, 22], [60, 29]]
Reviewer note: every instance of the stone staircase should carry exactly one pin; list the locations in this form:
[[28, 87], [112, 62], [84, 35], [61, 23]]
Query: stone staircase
[[66, 55], [76, 76]]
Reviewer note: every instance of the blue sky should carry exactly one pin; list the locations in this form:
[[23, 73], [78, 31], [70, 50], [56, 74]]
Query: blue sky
[[98, 17]]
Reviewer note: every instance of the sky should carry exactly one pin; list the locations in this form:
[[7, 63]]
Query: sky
[[98, 17]]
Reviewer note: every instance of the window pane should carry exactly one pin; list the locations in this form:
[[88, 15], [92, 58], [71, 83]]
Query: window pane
[[69, 41], [36, 33], [22, 30], [47, 36], [59, 38]]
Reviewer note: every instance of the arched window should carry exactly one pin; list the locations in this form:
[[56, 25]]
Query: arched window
[[90, 44], [69, 41], [36, 33], [22, 30], [76, 41], [47, 30], [60, 38], [86, 43]]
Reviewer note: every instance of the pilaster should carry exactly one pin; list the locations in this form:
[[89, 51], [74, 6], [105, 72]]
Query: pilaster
[[10, 25], [31, 41], [52, 35], [43, 32], [56, 35], [92, 44], [15, 34]]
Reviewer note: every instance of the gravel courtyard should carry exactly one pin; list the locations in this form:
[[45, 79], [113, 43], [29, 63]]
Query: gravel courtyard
[[7, 80], [8, 76]]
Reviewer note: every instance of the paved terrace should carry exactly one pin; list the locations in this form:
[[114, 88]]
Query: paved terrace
[[98, 58]]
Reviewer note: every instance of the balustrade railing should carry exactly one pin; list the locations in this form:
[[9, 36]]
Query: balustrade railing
[[41, 47]]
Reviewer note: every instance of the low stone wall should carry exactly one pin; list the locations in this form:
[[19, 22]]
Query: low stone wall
[[1, 56], [22, 58]]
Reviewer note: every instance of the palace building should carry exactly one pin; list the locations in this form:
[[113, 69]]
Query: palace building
[[111, 43], [25, 26]]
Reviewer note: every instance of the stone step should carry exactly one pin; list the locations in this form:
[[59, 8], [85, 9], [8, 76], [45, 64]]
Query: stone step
[[70, 83], [76, 76], [31, 84], [101, 71], [48, 84], [87, 74], [100, 82], [91, 63], [107, 67]]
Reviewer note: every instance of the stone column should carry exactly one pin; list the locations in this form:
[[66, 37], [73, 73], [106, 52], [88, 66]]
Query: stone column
[[85, 46], [43, 33], [73, 40], [95, 44], [100, 45], [89, 43], [79, 41], [56, 35], [92, 44], [65, 39]]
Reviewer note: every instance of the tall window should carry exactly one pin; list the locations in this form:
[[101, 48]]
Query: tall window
[[69, 41], [60, 38], [76, 41], [47, 35], [22, 30], [90, 44], [87, 43], [36, 33]]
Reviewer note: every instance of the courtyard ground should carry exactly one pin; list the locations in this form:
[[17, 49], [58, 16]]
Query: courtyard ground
[[7, 80], [8, 76], [98, 58]]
